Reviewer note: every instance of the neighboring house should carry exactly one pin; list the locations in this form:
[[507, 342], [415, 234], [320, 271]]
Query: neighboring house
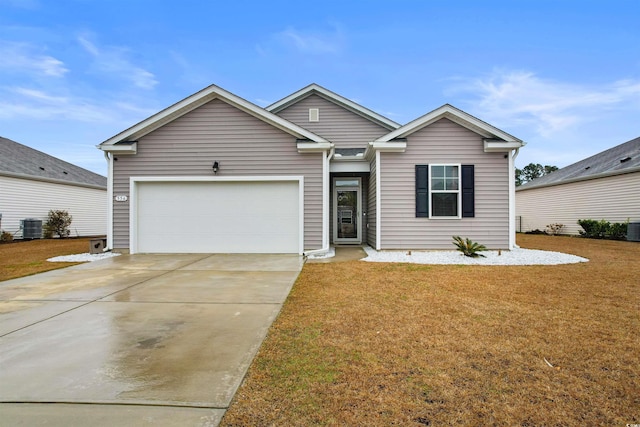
[[32, 183], [603, 186], [216, 173]]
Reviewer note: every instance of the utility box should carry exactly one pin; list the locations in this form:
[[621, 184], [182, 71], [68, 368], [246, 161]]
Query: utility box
[[633, 232], [96, 246], [32, 228]]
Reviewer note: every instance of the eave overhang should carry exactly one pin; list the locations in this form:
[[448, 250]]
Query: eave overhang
[[498, 146], [314, 147], [121, 148]]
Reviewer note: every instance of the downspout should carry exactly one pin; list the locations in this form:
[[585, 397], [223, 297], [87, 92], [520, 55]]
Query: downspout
[[512, 200], [109, 157], [326, 161]]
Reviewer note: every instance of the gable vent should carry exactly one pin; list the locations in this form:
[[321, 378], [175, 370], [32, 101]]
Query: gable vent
[[626, 159], [314, 114]]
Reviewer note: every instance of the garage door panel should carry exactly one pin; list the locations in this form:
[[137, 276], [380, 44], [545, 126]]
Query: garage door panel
[[218, 217]]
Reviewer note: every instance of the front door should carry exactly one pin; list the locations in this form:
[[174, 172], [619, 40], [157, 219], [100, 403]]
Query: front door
[[347, 209]]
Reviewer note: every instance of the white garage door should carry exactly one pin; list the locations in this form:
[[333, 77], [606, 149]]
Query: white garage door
[[217, 217]]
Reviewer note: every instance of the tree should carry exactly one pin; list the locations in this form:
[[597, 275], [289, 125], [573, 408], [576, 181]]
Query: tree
[[58, 222], [532, 171]]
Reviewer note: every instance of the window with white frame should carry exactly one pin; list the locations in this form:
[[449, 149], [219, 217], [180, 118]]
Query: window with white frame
[[444, 185]]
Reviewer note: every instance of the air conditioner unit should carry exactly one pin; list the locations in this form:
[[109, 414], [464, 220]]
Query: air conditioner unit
[[32, 228], [633, 231]]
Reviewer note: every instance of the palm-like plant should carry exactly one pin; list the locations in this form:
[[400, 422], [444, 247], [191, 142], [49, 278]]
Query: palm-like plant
[[468, 247]]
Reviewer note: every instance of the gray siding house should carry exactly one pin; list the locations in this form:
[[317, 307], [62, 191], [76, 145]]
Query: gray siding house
[[32, 183], [215, 173], [603, 186]]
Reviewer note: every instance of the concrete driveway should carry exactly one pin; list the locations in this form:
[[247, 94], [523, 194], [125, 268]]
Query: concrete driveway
[[136, 339]]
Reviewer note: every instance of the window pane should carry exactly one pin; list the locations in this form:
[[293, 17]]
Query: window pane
[[346, 183], [437, 171], [452, 171], [452, 184], [444, 204], [437, 184]]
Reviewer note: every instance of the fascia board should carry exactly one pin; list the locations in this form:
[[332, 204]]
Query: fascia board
[[389, 147], [499, 146], [314, 147], [50, 180], [457, 116], [335, 98], [120, 148], [200, 98]]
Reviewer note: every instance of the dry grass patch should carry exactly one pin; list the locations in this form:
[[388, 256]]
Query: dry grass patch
[[400, 344], [23, 258]]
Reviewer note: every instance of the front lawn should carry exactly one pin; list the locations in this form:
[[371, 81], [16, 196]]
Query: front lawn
[[23, 258], [399, 344]]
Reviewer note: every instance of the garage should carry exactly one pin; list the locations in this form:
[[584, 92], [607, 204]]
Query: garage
[[217, 215]]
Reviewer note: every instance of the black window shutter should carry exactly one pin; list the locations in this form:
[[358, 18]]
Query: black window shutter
[[468, 196], [422, 191]]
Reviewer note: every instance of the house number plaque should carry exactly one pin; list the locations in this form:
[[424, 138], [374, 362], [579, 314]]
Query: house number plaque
[[121, 198]]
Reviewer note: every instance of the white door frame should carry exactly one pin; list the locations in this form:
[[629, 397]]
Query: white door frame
[[358, 189]]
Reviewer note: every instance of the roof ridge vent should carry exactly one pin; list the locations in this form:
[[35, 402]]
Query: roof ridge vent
[[626, 159]]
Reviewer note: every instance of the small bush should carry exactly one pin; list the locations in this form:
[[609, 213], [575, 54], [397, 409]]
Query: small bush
[[58, 222], [468, 247], [536, 231], [603, 229], [554, 229], [5, 236]]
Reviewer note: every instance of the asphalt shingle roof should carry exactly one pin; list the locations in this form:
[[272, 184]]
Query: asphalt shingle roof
[[16, 158], [614, 160]]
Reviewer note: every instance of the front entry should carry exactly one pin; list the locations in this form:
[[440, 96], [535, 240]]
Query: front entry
[[347, 210]]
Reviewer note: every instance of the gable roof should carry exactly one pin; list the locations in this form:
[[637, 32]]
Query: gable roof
[[460, 117], [336, 99], [198, 99], [621, 159], [20, 161]]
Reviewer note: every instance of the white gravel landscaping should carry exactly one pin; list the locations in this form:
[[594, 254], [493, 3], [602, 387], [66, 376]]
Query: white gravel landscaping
[[517, 256], [83, 257]]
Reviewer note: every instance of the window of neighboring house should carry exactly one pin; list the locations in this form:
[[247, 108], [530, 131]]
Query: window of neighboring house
[[444, 184], [445, 191]]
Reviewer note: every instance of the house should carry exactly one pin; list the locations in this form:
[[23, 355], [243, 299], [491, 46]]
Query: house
[[216, 173], [32, 183], [603, 186]]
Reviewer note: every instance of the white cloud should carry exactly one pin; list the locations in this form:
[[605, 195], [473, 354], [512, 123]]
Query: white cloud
[[114, 61], [520, 98], [309, 42], [24, 58]]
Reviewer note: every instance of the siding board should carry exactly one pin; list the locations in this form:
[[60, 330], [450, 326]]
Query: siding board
[[443, 142], [24, 198], [242, 144], [613, 198], [344, 128]]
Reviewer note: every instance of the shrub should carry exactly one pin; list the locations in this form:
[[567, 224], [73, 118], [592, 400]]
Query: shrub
[[554, 229], [5, 236], [468, 247], [58, 222], [603, 229]]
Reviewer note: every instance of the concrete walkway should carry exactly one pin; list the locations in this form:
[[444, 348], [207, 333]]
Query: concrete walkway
[[136, 339]]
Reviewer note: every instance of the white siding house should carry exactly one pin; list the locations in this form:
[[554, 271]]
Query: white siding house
[[32, 183], [604, 186]]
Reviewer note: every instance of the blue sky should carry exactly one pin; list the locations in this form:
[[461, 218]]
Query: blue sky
[[564, 76]]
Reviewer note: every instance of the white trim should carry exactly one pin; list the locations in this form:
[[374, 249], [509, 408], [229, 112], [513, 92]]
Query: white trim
[[51, 180], [531, 186], [121, 149], [198, 99], [109, 158], [512, 200], [493, 146], [331, 97], [378, 204], [350, 166], [458, 192], [458, 116], [358, 189], [133, 203], [314, 147]]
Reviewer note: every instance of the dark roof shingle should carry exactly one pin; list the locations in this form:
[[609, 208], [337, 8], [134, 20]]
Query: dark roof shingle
[[614, 160], [19, 159]]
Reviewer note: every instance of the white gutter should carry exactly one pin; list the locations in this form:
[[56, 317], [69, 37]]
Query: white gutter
[[326, 162], [512, 200], [109, 158], [378, 203]]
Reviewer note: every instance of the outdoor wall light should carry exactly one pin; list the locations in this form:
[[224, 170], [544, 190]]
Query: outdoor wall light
[[216, 166]]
